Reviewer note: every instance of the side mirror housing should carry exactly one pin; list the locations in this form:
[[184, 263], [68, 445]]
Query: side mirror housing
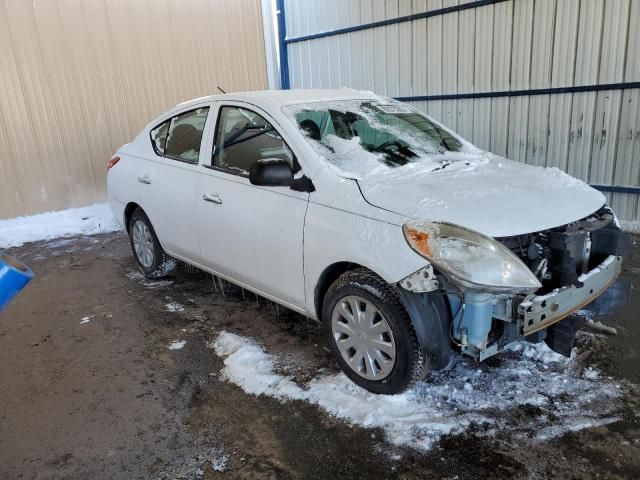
[[271, 172]]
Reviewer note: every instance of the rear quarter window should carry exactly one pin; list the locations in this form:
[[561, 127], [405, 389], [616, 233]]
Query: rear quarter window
[[159, 137]]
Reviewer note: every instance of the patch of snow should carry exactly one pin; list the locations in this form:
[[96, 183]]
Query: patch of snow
[[630, 226], [177, 345], [591, 373], [219, 462], [59, 243], [84, 320], [539, 352], [191, 464], [174, 307], [158, 284], [135, 275], [91, 220], [473, 184], [447, 403], [150, 285]]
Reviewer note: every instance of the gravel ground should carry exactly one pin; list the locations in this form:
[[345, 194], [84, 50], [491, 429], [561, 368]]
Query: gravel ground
[[108, 375]]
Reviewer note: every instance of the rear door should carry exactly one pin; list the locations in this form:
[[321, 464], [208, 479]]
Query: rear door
[[251, 234], [169, 182]]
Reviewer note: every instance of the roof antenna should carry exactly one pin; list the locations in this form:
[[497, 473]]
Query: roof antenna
[[221, 89]]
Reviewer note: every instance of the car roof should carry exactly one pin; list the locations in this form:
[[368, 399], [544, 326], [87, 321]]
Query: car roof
[[280, 98]]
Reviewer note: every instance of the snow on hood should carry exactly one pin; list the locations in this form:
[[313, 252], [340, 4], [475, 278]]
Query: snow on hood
[[484, 192]]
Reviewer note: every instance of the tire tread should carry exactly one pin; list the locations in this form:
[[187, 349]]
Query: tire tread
[[164, 263]]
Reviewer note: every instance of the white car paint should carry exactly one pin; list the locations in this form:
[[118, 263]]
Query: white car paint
[[278, 242]]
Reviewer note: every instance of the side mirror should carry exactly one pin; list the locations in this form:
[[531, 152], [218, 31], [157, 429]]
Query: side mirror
[[271, 172]]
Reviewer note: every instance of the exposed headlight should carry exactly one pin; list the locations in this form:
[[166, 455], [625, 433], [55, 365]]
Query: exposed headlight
[[470, 258]]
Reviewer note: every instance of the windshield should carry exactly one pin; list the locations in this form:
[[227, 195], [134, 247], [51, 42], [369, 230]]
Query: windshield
[[368, 136]]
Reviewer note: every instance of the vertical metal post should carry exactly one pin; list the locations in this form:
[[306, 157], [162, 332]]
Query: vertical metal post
[[284, 54]]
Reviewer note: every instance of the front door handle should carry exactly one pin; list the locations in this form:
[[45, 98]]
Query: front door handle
[[213, 198], [144, 179]]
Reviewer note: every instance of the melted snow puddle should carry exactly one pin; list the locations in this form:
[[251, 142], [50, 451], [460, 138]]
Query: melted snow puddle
[[448, 403]]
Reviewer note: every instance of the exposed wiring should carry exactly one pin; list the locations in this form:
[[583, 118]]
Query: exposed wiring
[[453, 318], [453, 340]]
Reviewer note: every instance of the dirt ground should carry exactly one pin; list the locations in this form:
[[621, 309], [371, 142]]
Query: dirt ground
[[90, 389]]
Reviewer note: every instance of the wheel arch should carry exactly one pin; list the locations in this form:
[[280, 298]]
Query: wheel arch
[[430, 313], [329, 275], [128, 212]]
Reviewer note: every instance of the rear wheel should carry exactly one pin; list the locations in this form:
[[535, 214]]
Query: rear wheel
[[151, 258], [371, 334]]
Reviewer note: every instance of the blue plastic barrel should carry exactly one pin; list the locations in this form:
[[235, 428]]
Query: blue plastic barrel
[[14, 276]]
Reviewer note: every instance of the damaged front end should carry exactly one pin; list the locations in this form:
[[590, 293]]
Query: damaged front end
[[566, 267]]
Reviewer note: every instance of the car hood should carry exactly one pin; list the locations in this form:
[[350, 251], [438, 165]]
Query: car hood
[[484, 192]]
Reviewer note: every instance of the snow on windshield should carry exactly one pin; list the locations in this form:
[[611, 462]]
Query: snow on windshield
[[365, 137]]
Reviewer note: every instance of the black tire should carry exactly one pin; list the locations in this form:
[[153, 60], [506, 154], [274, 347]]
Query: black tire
[[410, 359], [162, 263]]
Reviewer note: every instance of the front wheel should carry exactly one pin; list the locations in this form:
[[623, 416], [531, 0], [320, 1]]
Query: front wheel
[[150, 256], [371, 335]]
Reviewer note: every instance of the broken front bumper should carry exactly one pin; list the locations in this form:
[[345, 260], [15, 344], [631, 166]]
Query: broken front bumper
[[536, 313]]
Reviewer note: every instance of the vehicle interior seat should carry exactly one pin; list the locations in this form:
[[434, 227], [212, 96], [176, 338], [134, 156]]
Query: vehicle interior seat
[[183, 139], [311, 129]]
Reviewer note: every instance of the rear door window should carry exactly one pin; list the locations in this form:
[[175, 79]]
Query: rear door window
[[180, 137]]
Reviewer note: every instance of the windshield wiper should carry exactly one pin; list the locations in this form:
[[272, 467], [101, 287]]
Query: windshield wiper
[[233, 139]]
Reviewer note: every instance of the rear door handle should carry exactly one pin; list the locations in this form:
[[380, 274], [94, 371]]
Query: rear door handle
[[144, 179], [213, 198]]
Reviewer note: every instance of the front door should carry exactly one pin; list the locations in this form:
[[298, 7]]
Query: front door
[[251, 234]]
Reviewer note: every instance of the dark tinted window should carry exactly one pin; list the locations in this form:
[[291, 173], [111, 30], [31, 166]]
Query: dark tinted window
[[181, 136], [243, 137]]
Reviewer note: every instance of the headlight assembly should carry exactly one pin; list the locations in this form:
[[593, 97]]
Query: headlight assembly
[[470, 258]]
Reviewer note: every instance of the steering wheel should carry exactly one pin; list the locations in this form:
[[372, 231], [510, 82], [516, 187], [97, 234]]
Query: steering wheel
[[392, 143]]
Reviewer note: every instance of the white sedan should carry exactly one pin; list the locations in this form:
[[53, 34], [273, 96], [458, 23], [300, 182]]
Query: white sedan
[[406, 241]]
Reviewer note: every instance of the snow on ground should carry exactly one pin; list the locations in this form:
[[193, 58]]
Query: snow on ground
[[174, 307], [150, 285], [87, 319], [48, 226], [447, 402], [192, 465], [630, 226], [177, 345]]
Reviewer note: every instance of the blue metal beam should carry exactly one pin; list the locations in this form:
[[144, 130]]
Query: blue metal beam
[[284, 54], [617, 189], [392, 21], [521, 93]]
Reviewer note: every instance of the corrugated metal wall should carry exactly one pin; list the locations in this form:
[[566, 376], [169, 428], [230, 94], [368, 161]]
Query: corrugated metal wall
[[506, 45], [79, 78]]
